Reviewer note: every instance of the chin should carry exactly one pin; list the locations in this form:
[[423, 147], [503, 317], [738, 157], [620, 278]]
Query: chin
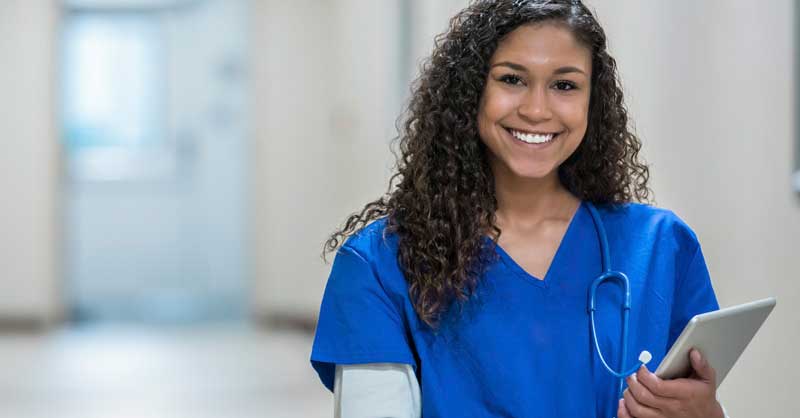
[[533, 173]]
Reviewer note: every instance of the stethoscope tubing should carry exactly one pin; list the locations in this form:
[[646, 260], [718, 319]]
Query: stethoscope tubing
[[623, 281]]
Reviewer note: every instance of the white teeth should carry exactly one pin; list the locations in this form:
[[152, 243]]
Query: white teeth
[[532, 138]]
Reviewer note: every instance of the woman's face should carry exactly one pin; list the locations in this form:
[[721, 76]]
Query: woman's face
[[534, 110]]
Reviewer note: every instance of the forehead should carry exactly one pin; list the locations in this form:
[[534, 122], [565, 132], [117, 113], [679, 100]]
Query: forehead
[[542, 46]]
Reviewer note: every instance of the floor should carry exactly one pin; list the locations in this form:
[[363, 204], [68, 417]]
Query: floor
[[220, 371]]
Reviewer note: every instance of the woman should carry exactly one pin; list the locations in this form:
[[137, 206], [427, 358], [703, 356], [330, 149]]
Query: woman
[[467, 284]]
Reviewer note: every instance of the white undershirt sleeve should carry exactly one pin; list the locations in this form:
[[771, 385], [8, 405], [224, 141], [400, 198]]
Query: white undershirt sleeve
[[376, 390]]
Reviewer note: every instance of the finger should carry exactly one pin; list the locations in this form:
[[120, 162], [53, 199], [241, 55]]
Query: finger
[[636, 409], [665, 403], [656, 385], [622, 410], [702, 367], [672, 388], [641, 393]]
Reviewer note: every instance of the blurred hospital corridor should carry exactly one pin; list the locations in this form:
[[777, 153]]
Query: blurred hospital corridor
[[170, 171]]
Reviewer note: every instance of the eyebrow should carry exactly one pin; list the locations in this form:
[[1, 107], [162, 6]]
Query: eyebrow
[[518, 67]]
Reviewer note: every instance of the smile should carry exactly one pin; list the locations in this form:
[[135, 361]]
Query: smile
[[533, 137]]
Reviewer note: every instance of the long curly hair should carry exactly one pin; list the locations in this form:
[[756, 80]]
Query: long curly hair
[[441, 200]]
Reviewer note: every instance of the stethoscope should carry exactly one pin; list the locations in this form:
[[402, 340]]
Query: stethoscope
[[622, 279]]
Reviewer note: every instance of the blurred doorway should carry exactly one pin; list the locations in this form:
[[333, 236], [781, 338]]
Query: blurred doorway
[[154, 127]]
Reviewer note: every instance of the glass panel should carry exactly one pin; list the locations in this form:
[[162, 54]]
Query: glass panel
[[114, 96]]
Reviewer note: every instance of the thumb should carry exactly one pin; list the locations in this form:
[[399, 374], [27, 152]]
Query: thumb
[[702, 367]]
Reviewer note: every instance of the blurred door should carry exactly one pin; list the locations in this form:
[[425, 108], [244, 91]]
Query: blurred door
[[154, 124]]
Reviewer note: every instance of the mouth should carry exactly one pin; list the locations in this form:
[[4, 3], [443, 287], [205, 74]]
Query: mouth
[[533, 137]]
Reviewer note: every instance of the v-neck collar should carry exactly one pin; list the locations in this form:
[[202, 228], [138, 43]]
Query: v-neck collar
[[550, 275]]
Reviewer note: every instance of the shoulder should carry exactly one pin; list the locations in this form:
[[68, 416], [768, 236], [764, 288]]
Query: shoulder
[[373, 242], [637, 219], [375, 248]]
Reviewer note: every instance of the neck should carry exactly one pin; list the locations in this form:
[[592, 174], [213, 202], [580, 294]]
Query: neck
[[528, 202]]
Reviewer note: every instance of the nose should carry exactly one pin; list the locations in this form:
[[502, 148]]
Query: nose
[[535, 106]]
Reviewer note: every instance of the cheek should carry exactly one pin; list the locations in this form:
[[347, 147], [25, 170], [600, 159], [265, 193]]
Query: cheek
[[495, 105], [574, 115]]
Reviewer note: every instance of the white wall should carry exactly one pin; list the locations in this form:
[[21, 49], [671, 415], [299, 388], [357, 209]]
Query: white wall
[[28, 161], [329, 79], [322, 119]]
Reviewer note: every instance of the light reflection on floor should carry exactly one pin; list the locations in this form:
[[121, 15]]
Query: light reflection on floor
[[221, 371]]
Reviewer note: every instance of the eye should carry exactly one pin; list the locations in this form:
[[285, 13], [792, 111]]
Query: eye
[[511, 79], [565, 85]]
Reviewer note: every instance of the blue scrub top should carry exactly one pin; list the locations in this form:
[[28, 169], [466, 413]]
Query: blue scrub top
[[520, 347]]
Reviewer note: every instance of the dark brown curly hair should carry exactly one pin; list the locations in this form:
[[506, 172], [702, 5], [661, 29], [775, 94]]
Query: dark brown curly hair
[[441, 201]]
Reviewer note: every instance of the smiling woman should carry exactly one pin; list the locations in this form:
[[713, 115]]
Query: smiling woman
[[468, 282]]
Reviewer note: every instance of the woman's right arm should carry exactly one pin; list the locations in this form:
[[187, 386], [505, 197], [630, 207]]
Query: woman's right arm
[[376, 390]]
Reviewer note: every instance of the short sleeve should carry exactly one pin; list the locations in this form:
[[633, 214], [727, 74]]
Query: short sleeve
[[358, 321], [694, 294]]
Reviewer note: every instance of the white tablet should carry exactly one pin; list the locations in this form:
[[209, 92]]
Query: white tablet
[[721, 336]]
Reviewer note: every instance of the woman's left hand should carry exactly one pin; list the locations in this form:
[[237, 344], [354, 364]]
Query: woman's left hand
[[649, 396]]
